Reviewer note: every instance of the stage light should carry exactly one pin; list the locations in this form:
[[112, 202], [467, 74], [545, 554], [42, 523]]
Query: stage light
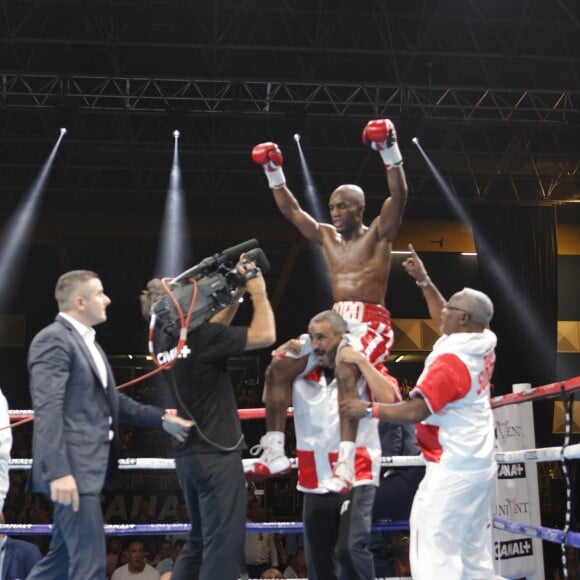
[[173, 251]]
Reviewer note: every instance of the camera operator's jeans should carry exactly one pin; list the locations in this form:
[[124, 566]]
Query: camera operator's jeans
[[214, 489]]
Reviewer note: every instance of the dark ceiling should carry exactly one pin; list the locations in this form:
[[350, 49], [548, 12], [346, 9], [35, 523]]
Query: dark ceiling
[[491, 89]]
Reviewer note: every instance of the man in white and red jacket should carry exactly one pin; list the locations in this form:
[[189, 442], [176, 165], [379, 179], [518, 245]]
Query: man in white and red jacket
[[336, 526], [450, 519]]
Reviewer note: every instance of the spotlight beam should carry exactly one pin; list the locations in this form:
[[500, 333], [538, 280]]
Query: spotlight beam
[[314, 207], [173, 255], [526, 317], [13, 244]]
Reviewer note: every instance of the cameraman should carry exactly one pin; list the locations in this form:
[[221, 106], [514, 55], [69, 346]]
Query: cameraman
[[209, 462]]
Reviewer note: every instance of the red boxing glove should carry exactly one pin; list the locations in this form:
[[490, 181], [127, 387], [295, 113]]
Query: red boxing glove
[[381, 136], [269, 156]]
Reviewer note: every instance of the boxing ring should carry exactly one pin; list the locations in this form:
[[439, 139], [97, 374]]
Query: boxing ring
[[563, 454]]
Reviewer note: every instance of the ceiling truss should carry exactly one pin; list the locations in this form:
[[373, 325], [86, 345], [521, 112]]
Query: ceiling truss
[[492, 93], [160, 95]]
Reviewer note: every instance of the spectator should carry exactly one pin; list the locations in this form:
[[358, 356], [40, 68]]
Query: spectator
[[260, 548], [157, 551], [136, 568], [114, 547], [297, 566], [400, 550], [271, 573], [123, 558], [166, 565], [17, 557]]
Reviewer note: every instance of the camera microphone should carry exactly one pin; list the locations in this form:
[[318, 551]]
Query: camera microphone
[[233, 254], [213, 262]]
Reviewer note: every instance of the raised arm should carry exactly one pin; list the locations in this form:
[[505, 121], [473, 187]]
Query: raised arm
[[269, 157], [416, 269], [381, 136], [262, 329]]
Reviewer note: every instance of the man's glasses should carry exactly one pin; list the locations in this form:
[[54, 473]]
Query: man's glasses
[[448, 306]]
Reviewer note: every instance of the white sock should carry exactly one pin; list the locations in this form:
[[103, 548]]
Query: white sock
[[276, 438]]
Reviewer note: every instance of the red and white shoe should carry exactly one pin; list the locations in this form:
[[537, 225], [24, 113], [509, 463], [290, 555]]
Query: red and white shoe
[[272, 459]]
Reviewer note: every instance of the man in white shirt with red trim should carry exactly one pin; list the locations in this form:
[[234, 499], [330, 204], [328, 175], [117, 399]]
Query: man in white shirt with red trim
[[451, 515], [336, 526]]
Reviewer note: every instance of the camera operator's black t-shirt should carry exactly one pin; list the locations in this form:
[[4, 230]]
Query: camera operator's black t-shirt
[[205, 391]]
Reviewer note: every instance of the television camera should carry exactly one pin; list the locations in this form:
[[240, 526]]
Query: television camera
[[209, 284]]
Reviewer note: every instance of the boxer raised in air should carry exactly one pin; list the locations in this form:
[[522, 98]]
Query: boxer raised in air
[[358, 258]]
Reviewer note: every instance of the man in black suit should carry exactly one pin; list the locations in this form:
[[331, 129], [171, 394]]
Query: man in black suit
[[76, 419]]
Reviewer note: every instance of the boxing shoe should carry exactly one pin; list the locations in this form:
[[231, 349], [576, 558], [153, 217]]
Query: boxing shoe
[[272, 459], [343, 471], [269, 156], [381, 136]]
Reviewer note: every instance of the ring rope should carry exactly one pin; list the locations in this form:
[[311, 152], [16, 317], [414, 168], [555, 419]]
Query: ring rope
[[536, 393], [543, 392], [540, 532], [507, 457], [526, 529], [159, 529]]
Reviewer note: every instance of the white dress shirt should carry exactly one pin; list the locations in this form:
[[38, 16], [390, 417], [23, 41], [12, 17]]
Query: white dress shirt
[[88, 335]]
